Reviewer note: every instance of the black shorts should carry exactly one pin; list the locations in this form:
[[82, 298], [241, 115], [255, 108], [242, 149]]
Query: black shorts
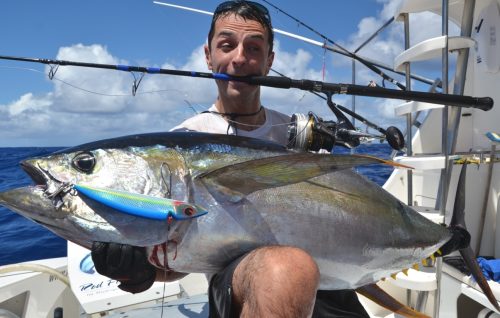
[[329, 303]]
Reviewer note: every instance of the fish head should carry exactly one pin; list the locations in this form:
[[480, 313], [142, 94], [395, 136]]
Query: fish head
[[119, 169], [82, 221], [54, 202]]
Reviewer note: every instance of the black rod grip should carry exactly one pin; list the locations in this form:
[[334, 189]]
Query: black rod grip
[[270, 81], [483, 103]]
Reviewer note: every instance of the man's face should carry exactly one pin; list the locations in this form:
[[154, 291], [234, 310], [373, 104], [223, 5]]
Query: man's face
[[238, 48]]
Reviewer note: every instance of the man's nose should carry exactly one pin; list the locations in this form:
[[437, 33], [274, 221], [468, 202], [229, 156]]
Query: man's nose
[[239, 58]]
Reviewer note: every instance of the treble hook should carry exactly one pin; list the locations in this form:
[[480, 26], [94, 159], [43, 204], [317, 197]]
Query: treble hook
[[135, 85], [57, 197]]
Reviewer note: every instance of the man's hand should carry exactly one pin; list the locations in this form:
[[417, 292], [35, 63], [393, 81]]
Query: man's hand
[[125, 263]]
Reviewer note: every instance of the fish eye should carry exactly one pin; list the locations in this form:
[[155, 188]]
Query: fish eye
[[84, 162], [189, 211]]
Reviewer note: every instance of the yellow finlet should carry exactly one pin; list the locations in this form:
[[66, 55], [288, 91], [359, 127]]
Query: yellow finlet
[[405, 271], [415, 267], [394, 276]]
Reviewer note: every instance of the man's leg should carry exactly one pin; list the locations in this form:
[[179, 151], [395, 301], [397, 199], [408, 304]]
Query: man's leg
[[275, 281]]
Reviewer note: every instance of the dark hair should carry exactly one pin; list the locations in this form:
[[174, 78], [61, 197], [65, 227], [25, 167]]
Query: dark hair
[[247, 10]]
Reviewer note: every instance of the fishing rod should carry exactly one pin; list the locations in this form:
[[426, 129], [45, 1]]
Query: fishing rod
[[323, 45], [483, 103], [305, 133], [350, 54]]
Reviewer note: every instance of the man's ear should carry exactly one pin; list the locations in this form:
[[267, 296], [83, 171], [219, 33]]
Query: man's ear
[[208, 57], [270, 59]]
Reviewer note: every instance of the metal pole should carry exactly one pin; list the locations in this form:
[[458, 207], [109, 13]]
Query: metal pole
[[444, 134], [409, 135], [353, 96], [459, 85], [374, 34], [444, 147], [485, 200], [460, 75]]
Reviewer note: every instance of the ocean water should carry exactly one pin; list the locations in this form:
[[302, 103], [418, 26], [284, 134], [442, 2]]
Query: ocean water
[[24, 240]]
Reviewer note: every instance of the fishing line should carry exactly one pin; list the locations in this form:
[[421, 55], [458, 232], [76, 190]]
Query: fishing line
[[163, 295], [323, 68], [191, 107], [66, 83], [299, 133], [164, 275], [169, 192], [94, 92]]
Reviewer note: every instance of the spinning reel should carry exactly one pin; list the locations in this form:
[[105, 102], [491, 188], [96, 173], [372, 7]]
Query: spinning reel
[[312, 133]]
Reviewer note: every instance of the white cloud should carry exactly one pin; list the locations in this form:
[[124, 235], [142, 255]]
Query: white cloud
[[28, 102]]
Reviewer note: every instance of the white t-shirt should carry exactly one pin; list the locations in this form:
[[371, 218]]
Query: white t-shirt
[[274, 129]]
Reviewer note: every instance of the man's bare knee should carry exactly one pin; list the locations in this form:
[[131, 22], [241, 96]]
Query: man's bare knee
[[278, 281]]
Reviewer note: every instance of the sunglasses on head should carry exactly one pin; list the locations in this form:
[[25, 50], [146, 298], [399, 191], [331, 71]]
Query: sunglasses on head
[[228, 5]]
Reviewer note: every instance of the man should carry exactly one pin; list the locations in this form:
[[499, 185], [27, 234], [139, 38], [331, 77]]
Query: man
[[273, 281]]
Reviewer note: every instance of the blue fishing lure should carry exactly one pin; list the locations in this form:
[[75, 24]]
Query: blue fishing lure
[[142, 205]]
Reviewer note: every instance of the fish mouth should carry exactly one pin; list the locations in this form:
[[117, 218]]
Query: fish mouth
[[39, 177], [53, 189]]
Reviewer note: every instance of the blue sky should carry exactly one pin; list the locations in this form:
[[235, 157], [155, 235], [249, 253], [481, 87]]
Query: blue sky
[[35, 111]]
